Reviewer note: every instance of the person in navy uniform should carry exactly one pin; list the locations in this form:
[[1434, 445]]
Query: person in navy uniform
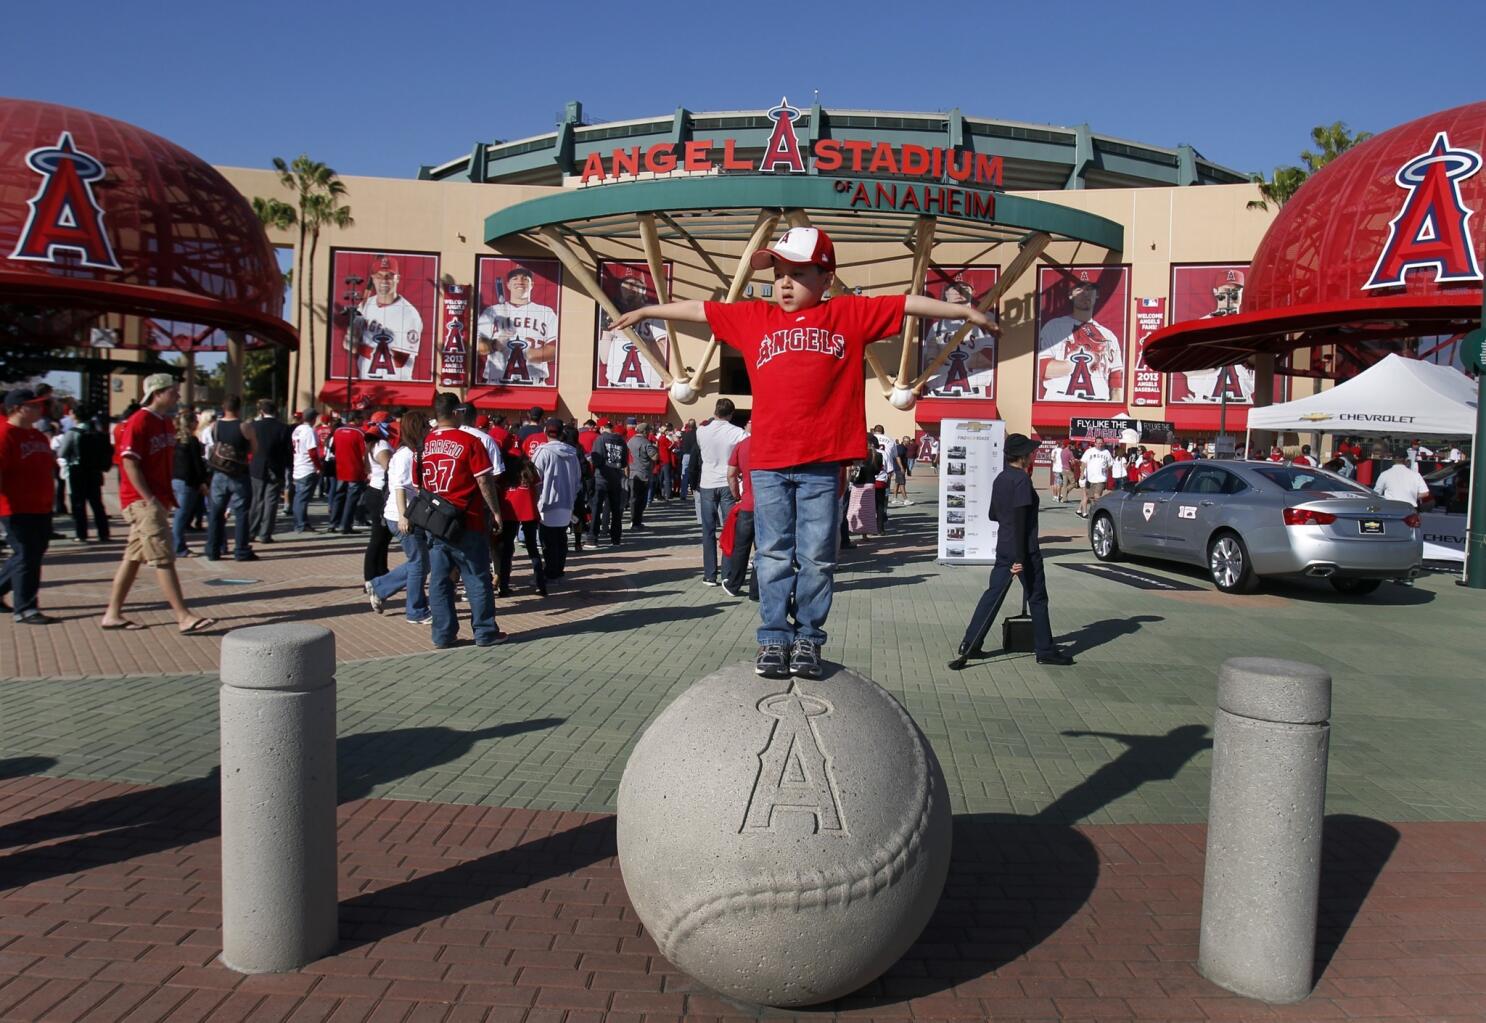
[[1018, 555]]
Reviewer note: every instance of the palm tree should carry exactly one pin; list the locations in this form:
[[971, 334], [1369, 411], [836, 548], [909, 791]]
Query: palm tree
[[275, 214], [318, 191], [1331, 140]]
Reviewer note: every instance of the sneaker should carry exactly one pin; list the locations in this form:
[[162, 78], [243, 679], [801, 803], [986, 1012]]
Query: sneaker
[[709, 582], [377, 603], [37, 618], [496, 640], [1057, 657], [906, 502], [423, 621], [772, 661], [804, 659], [729, 590]]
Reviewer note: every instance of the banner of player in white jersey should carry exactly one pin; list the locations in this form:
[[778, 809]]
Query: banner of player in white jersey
[[516, 321], [619, 362], [970, 371], [1082, 315], [383, 315], [1202, 293]]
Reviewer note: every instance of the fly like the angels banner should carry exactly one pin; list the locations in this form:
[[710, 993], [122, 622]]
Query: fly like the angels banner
[[1145, 383], [619, 363], [516, 332], [971, 456]]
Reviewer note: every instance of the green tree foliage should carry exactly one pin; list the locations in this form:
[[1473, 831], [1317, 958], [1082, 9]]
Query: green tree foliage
[[1330, 140]]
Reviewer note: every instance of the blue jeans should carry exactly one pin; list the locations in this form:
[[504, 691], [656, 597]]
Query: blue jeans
[[685, 476], [187, 504], [713, 505], [30, 535], [304, 487], [238, 494], [796, 514], [409, 575], [471, 556], [347, 501], [1034, 585]]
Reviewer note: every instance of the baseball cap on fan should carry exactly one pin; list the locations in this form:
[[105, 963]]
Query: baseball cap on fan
[[798, 245]]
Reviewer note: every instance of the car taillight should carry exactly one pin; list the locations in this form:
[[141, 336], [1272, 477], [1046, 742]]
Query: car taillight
[[1306, 517], [1412, 521]]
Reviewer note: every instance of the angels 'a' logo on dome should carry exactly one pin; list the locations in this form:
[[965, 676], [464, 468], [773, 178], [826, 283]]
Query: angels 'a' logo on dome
[[65, 215], [1432, 229]]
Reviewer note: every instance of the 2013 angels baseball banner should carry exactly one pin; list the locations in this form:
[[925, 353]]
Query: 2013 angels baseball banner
[[383, 313], [619, 363], [1082, 314], [1145, 383], [970, 371], [517, 330]]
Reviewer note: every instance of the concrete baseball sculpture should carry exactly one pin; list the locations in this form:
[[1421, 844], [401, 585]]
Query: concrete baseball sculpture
[[784, 842]]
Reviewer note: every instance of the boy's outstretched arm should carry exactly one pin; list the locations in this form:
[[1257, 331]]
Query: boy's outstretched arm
[[931, 308], [682, 312]]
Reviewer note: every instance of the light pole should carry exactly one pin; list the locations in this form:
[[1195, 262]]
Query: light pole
[[1473, 354]]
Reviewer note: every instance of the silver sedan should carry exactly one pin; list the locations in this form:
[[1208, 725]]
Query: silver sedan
[[1246, 520]]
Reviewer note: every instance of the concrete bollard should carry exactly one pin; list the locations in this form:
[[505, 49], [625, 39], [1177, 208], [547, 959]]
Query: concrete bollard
[[1268, 802], [279, 900]]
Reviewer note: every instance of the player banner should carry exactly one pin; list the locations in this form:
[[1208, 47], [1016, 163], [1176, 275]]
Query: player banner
[[383, 304], [1082, 314], [1205, 292], [516, 333], [1145, 386], [970, 371], [453, 368], [971, 457], [619, 362]]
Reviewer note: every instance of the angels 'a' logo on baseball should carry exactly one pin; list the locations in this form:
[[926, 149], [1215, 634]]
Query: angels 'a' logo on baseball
[[794, 774]]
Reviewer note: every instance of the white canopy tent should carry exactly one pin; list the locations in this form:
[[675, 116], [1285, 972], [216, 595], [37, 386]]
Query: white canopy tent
[[1396, 395], [1404, 397]]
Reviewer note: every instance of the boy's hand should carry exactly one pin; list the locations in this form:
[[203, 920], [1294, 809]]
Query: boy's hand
[[985, 321], [630, 318]]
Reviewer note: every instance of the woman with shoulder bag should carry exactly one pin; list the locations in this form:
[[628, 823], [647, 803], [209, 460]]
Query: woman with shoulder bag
[[402, 485]]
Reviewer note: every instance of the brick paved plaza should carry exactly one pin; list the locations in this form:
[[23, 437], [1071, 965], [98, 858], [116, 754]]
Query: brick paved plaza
[[478, 878]]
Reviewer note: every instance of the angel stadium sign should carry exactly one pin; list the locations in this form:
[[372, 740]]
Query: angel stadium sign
[[784, 154]]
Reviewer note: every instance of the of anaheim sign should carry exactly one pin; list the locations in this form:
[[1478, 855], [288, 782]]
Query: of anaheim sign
[[783, 153]]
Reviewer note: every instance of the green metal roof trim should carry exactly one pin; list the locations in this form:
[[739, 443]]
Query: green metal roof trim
[[752, 192]]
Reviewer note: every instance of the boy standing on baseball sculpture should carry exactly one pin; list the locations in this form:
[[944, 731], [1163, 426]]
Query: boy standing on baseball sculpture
[[804, 355]]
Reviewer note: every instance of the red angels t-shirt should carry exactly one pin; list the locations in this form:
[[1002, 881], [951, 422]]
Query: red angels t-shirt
[[809, 392], [349, 445], [739, 460], [26, 466], [150, 439], [452, 460], [1180, 455]]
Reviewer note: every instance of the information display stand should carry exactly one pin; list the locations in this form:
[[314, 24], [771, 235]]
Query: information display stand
[[971, 455]]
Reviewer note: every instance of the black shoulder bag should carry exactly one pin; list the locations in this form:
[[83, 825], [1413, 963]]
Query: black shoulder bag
[[433, 513]]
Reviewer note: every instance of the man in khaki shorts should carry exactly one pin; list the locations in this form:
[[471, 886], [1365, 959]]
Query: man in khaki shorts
[[146, 447]]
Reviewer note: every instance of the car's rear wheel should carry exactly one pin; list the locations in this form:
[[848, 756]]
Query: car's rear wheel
[[1102, 537], [1355, 587], [1228, 564]]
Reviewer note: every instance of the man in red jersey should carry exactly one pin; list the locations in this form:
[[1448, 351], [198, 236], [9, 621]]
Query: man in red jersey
[[348, 445], [804, 357], [27, 490], [146, 455], [456, 466]]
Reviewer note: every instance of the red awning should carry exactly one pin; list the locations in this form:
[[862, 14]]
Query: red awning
[[935, 410], [376, 393], [1204, 418], [629, 402], [522, 398], [1056, 414]]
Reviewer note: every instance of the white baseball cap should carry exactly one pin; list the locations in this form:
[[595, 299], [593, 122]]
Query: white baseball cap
[[798, 245]]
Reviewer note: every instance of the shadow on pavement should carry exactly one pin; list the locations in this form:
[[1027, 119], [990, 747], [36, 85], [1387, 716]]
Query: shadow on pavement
[[1354, 851], [139, 823], [16, 767], [1147, 758], [1106, 630]]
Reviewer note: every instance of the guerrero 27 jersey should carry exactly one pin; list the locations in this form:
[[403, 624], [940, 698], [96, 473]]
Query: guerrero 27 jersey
[[388, 339]]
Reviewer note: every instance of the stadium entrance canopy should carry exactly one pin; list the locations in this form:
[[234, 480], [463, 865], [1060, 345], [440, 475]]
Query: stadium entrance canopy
[[718, 211], [100, 220]]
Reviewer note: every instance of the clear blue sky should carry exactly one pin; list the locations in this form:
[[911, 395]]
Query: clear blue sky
[[378, 88]]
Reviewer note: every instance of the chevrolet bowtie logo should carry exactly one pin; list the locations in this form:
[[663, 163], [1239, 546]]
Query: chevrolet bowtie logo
[[1316, 417]]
